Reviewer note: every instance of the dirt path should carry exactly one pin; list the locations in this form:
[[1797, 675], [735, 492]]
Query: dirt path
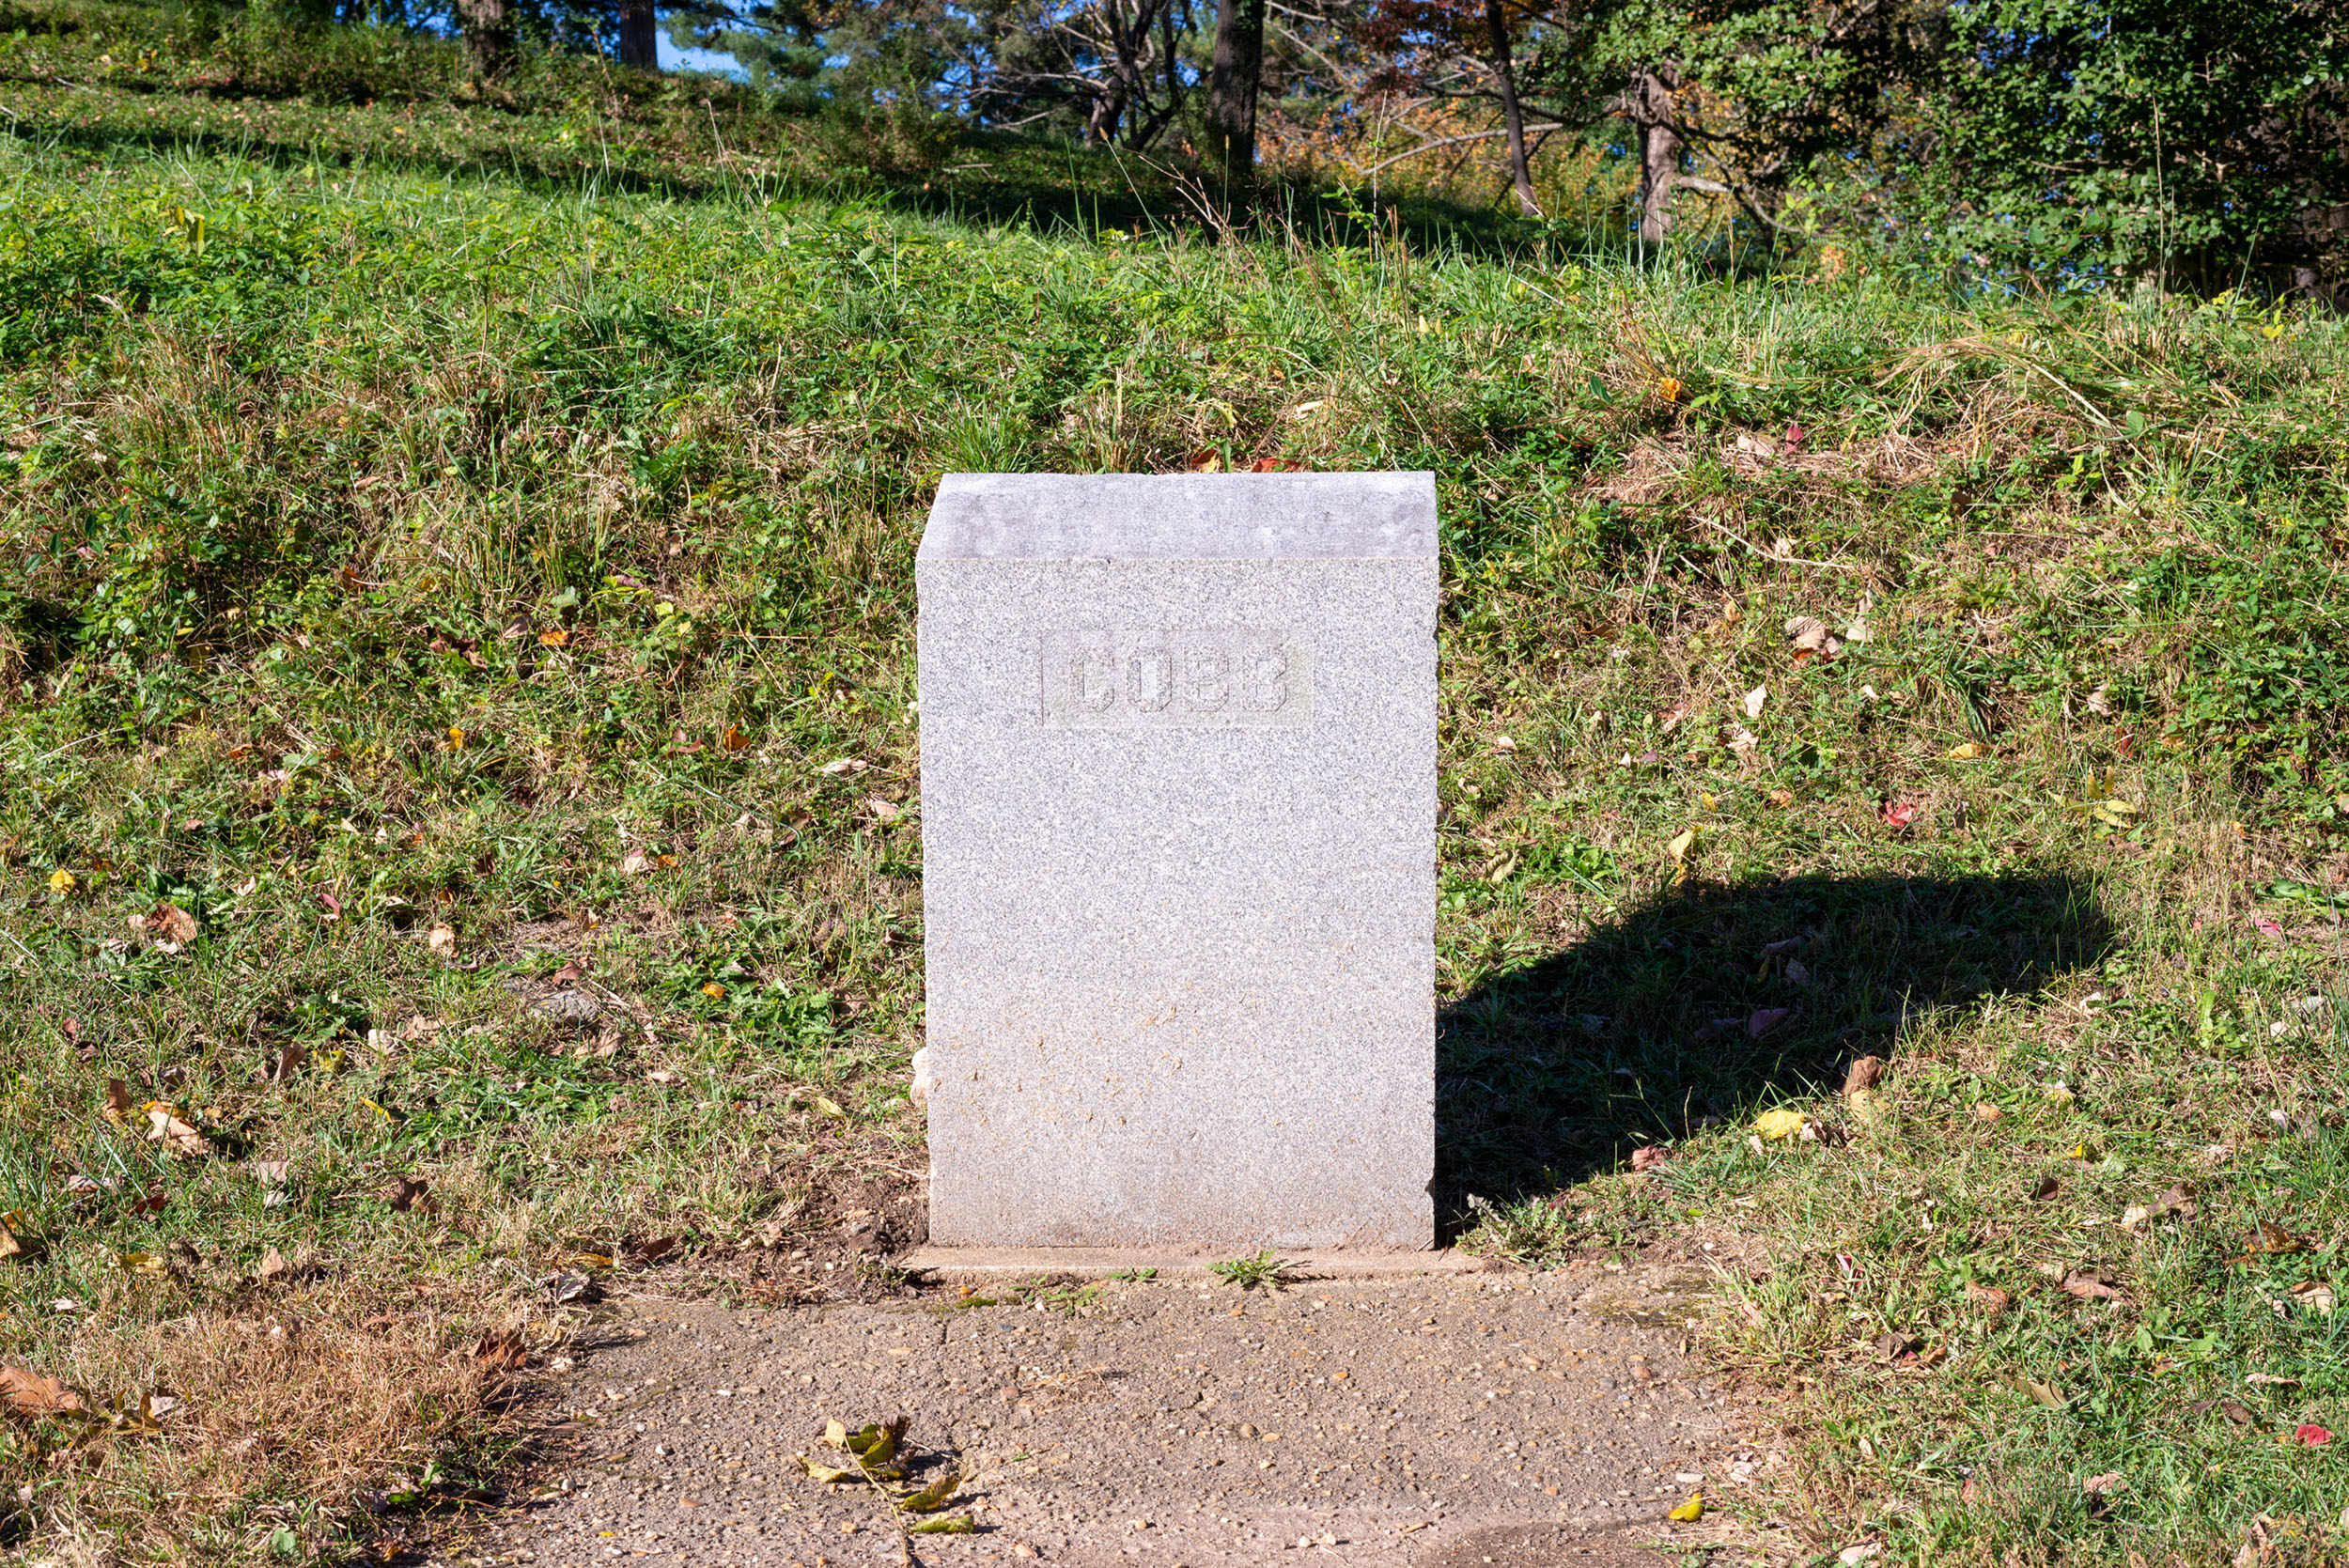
[[1498, 1417]]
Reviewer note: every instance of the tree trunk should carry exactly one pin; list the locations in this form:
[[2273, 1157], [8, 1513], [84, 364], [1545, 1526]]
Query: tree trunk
[[1650, 102], [1236, 66], [488, 34], [1520, 174], [639, 44]]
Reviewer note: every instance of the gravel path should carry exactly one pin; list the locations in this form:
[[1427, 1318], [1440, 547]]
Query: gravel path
[[1499, 1418]]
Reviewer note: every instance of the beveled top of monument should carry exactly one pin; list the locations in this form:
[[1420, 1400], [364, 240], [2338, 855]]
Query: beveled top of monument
[[1182, 516]]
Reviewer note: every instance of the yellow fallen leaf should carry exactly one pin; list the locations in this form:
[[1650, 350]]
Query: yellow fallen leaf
[[931, 1498], [1966, 752], [1781, 1124], [1681, 845], [960, 1525], [824, 1473], [837, 1435], [1690, 1512], [148, 1264], [827, 1107], [61, 882], [15, 1234]]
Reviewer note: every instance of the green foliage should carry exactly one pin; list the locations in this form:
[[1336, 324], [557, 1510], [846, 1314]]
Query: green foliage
[[2200, 143]]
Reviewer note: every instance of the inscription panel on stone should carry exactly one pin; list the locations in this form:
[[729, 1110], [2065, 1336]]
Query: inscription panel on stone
[[1175, 677]]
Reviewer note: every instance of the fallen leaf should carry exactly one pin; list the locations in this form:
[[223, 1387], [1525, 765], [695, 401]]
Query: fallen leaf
[[1807, 632], [28, 1393], [883, 810], [1779, 1124], [2045, 1189], [118, 1107], [2106, 1485], [1899, 814], [2046, 1393], [1863, 1073], [1764, 1019], [734, 739], [501, 1351], [152, 1264], [404, 1191], [711, 989], [1866, 1551], [2316, 1295], [828, 1107], [289, 1063], [1781, 798], [1755, 700], [931, 1498], [2274, 1240], [841, 765], [2267, 927], [960, 1525], [1892, 1344], [273, 1266], [634, 863], [1990, 1298], [61, 883], [1985, 1112], [16, 1235], [443, 940], [553, 639], [1682, 843], [164, 1126], [2236, 1412], [1650, 1159], [2090, 1284], [173, 923], [1690, 1512], [1966, 752], [2313, 1435], [824, 1473]]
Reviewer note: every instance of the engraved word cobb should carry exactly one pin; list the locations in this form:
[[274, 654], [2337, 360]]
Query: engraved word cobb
[[1175, 677]]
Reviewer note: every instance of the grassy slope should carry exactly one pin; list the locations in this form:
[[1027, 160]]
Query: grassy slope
[[388, 546]]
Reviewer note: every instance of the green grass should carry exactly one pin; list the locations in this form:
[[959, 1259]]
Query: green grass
[[398, 539]]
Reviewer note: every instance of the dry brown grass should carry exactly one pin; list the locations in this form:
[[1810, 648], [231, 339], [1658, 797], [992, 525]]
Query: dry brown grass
[[291, 1410]]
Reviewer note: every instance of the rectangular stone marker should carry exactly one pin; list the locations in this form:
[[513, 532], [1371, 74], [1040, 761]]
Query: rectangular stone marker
[[1178, 807]]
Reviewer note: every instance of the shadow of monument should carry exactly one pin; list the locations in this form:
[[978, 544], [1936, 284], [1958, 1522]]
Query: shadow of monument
[[1554, 1070]]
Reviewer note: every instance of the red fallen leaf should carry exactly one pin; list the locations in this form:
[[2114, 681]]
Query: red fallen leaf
[[1765, 1020], [568, 972], [1900, 813], [682, 744], [1804, 655], [2123, 742], [334, 905], [1275, 465], [154, 1203], [1204, 461], [2313, 1435], [2267, 927], [1793, 438], [1650, 1159]]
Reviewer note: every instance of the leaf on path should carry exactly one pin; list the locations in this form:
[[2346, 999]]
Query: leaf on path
[[937, 1495], [824, 1473], [960, 1525], [28, 1393], [1690, 1512], [180, 1141], [1781, 1124]]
